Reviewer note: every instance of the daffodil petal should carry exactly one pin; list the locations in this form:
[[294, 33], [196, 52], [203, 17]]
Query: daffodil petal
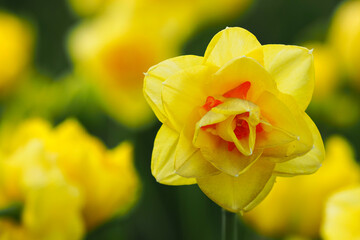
[[183, 92], [269, 185], [163, 158], [157, 74], [238, 71], [290, 120], [293, 70], [257, 54], [235, 193], [195, 165], [189, 161], [275, 137], [235, 106], [215, 150], [308, 163], [229, 44]]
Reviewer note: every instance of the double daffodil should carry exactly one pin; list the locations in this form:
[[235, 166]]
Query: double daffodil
[[234, 119]]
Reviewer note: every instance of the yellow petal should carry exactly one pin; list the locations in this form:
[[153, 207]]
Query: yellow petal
[[189, 162], [307, 163], [163, 158], [244, 145], [215, 150], [157, 74], [235, 193], [183, 92], [293, 70], [235, 106], [291, 122], [238, 71], [269, 185], [229, 44], [272, 137], [195, 165]]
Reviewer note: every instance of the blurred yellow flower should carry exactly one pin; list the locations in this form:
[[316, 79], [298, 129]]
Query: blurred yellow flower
[[15, 50], [234, 119], [301, 200], [342, 214], [51, 206], [46, 168], [113, 51], [327, 72], [113, 185], [345, 37]]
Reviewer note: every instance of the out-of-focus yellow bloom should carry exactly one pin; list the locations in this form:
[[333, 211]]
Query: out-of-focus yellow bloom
[[327, 72], [113, 51], [345, 37], [15, 50], [113, 185], [234, 119], [51, 205], [342, 214], [96, 183], [295, 205]]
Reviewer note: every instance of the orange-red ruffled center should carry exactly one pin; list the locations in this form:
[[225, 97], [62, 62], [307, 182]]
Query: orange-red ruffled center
[[241, 129]]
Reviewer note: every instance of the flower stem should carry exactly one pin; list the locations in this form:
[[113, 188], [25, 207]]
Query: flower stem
[[228, 225]]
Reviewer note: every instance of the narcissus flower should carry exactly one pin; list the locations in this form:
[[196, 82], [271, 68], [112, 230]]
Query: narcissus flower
[[234, 119], [342, 214], [52, 206], [114, 58], [65, 179], [300, 215]]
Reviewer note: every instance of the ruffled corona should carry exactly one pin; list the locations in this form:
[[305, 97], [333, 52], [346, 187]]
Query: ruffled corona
[[234, 119]]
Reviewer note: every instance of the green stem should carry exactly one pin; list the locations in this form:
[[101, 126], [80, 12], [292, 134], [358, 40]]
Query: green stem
[[229, 223]]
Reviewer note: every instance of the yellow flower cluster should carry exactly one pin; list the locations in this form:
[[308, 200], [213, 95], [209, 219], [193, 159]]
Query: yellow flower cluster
[[295, 206], [65, 180], [235, 119]]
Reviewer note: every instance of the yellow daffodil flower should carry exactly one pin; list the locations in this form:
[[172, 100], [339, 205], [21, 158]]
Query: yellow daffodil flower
[[290, 210], [113, 51], [51, 205], [15, 50], [234, 119], [342, 214], [345, 37], [77, 169], [113, 186]]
